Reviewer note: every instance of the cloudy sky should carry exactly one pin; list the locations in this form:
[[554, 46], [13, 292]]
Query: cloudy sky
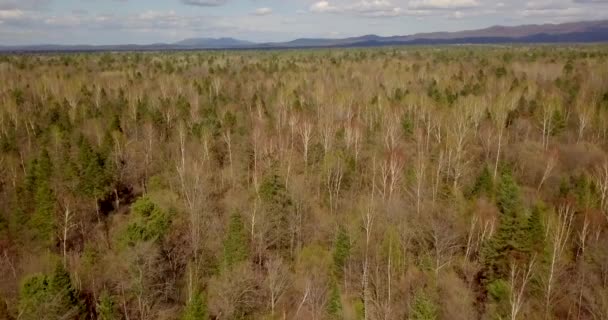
[[149, 21]]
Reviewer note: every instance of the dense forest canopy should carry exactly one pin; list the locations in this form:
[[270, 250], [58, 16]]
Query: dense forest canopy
[[464, 182]]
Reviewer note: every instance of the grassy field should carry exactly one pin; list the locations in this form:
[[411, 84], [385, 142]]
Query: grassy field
[[449, 182]]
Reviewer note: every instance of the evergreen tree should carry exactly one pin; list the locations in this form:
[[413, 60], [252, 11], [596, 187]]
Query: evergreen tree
[[150, 222], [278, 205], [196, 309], [94, 176], [50, 297], [508, 195], [334, 304], [236, 248], [106, 309], [38, 188], [341, 251], [63, 292], [535, 231], [33, 296], [484, 185], [423, 308], [508, 242]]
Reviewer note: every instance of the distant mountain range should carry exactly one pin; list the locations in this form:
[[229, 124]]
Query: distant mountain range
[[574, 32]]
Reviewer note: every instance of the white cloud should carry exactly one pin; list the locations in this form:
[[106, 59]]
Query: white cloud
[[205, 3], [11, 14], [262, 11], [554, 13], [375, 8], [443, 4], [322, 6], [546, 5]]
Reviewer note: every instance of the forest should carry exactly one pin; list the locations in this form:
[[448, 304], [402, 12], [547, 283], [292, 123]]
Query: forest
[[421, 183]]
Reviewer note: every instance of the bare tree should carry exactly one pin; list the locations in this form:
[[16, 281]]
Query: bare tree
[[548, 111], [518, 281], [305, 129], [444, 244], [559, 234], [368, 221], [600, 176], [277, 281], [551, 162]]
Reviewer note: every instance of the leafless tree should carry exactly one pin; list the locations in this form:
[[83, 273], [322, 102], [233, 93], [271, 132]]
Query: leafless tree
[[551, 162], [559, 233], [277, 280], [518, 281]]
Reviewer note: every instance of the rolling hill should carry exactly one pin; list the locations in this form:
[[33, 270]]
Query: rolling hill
[[574, 32]]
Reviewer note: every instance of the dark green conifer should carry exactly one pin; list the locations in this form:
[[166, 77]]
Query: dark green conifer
[[423, 308], [508, 242], [334, 304], [106, 308], [341, 251], [484, 185], [236, 248]]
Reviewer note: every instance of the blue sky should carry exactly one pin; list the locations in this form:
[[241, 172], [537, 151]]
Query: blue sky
[[150, 21]]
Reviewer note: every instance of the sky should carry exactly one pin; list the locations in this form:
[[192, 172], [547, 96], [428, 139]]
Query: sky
[[154, 21]]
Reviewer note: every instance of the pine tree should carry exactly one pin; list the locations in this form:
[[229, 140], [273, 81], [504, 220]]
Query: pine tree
[[334, 304], [236, 248], [535, 231], [94, 176], [38, 182], [484, 185], [196, 309], [278, 206], [49, 297], [508, 195], [63, 292], [149, 222], [423, 308], [106, 309], [33, 297], [508, 242], [341, 251]]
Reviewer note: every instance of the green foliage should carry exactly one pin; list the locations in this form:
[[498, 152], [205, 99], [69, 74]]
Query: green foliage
[[558, 120], [391, 249], [584, 191], [359, 307], [341, 251], [507, 197], [43, 219], [407, 125], [278, 206], [499, 292], [38, 190], [423, 307], [50, 297], [334, 303], [236, 246], [500, 72], [484, 185], [150, 222], [94, 176], [106, 308], [196, 309], [509, 242], [535, 230]]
